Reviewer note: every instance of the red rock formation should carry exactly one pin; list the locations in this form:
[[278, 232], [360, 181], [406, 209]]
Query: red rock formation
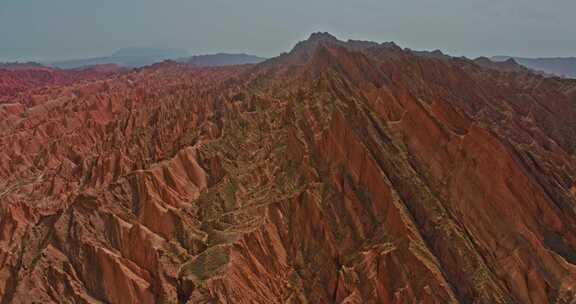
[[341, 172], [19, 78]]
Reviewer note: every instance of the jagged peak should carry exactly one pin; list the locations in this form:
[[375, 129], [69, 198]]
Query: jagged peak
[[316, 39], [305, 49], [322, 37], [329, 39], [509, 65]]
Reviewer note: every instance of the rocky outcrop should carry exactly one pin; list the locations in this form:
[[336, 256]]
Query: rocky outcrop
[[341, 172]]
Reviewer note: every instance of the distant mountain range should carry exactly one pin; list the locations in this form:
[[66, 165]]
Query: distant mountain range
[[508, 65], [559, 66], [138, 57], [127, 57]]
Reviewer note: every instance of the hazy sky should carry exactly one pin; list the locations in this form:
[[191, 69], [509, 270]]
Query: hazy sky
[[59, 29]]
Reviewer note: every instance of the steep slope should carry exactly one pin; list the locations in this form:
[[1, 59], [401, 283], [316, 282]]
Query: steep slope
[[340, 172]]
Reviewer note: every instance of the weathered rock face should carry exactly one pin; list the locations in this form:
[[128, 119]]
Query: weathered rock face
[[342, 172]]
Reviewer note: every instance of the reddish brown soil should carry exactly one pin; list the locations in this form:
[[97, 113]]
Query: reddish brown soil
[[336, 173], [20, 78]]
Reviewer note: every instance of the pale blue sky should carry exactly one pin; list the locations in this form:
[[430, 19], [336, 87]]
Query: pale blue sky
[[62, 29]]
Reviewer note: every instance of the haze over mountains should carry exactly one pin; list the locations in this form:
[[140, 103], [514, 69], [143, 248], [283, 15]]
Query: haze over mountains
[[560, 66], [139, 57], [128, 57], [222, 59], [338, 172]]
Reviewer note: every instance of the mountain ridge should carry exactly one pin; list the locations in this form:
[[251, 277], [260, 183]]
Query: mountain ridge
[[335, 173], [558, 66], [140, 57]]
